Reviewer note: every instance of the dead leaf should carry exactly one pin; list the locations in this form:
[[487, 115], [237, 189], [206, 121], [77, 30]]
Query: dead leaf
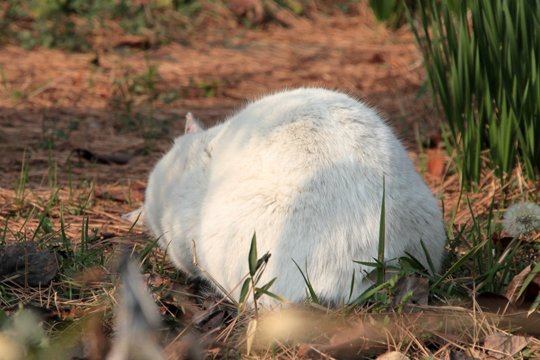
[[92, 275], [419, 287], [213, 352], [495, 303], [120, 194], [533, 289], [377, 58], [435, 139], [181, 306], [156, 280], [365, 335], [475, 353], [252, 10], [305, 351], [516, 284], [132, 41], [109, 193], [501, 239], [189, 346], [436, 163], [209, 320], [393, 355], [308, 351], [89, 155], [502, 346], [460, 355]]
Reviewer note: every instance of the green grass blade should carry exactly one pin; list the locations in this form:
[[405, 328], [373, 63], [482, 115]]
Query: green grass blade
[[253, 256], [312, 293], [245, 290], [380, 250]]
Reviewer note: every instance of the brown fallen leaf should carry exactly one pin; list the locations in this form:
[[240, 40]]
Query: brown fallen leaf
[[89, 155], [365, 336], [436, 163], [180, 305], [252, 10], [110, 193], [189, 346], [353, 349], [461, 355], [156, 280], [377, 58], [120, 193], [502, 346], [419, 287], [533, 289], [495, 303], [516, 284], [132, 41], [501, 239], [435, 139], [210, 320], [91, 275], [308, 351]]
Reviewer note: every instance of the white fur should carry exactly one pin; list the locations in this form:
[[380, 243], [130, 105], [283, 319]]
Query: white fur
[[304, 170]]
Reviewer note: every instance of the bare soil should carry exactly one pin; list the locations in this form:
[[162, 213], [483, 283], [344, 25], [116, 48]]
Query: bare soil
[[53, 102]]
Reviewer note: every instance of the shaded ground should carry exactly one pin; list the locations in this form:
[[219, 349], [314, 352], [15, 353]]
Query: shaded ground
[[51, 99]]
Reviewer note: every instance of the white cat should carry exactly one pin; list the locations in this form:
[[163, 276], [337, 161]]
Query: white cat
[[303, 169]]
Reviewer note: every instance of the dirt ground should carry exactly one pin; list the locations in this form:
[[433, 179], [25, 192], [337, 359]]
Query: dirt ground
[[52, 102]]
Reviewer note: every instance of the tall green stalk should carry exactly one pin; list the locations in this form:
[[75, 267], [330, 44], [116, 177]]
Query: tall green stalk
[[483, 65]]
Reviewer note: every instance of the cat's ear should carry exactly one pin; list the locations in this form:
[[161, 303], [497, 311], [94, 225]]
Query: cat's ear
[[135, 216], [192, 124]]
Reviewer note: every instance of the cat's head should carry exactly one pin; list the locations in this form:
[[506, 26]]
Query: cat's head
[[175, 160]]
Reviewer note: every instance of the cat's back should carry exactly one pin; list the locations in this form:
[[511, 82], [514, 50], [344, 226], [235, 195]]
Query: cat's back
[[320, 106], [308, 126], [299, 149]]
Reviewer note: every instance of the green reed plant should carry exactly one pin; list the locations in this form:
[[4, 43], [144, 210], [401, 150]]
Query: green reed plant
[[256, 270], [483, 65]]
